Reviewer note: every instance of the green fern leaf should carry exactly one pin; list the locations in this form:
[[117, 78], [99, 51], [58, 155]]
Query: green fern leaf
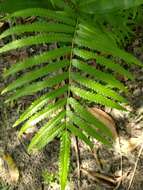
[[89, 37], [40, 103], [60, 16], [89, 129], [97, 98], [108, 63], [77, 132], [99, 75], [102, 6], [47, 133], [44, 113], [64, 159], [87, 116], [38, 86], [40, 39], [10, 6], [64, 74], [100, 45], [97, 134], [35, 60], [38, 27], [101, 89], [33, 75]]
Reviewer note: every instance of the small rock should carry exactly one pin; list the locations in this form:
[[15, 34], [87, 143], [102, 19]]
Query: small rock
[[137, 92]]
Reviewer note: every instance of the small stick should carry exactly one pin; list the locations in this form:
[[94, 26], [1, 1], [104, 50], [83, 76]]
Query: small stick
[[136, 163], [121, 163], [77, 151]]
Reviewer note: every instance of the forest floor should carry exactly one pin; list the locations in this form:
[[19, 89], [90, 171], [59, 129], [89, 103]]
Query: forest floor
[[103, 168]]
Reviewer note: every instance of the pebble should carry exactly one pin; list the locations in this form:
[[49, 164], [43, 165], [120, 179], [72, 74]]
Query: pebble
[[137, 92]]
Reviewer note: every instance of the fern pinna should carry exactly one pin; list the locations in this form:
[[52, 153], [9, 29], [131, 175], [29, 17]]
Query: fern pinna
[[68, 72]]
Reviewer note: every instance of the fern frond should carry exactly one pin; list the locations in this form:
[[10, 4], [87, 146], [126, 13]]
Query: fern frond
[[64, 76], [88, 37], [64, 158], [44, 113], [38, 59], [88, 128], [38, 86], [99, 75], [40, 103], [60, 16], [38, 27], [40, 39], [97, 98], [97, 87], [33, 75], [87, 116], [10, 6], [97, 134], [48, 132], [108, 63], [77, 132]]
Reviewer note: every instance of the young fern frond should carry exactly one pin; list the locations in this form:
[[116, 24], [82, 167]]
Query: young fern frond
[[68, 76]]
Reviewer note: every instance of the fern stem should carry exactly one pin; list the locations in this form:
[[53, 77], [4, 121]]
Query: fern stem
[[69, 69]]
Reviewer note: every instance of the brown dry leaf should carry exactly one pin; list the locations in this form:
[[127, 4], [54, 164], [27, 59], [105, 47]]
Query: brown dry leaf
[[8, 169], [105, 119]]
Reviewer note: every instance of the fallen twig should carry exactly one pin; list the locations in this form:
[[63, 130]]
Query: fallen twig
[[136, 163]]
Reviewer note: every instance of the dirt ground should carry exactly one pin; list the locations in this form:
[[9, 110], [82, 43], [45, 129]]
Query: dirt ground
[[115, 166]]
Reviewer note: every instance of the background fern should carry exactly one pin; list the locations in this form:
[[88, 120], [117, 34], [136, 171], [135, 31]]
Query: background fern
[[68, 73]]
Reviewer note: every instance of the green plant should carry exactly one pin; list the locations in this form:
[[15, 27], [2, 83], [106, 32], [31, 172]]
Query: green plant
[[4, 187], [67, 72], [49, 177]]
